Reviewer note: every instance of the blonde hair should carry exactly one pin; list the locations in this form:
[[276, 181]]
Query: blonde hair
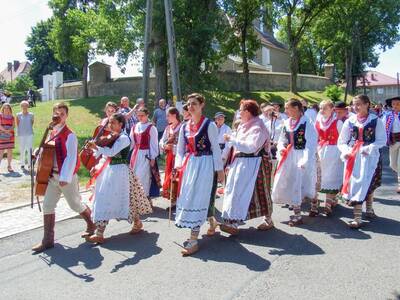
[[24, 102], [328, 103], [4, 106]]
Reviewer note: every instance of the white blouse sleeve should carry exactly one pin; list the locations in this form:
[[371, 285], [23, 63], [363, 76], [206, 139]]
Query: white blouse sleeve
[[216, 150], [164, 139], [344, 138], [180, 148], [68, 167], [311, 143], [154, 151], [282, 140], [132, 137], [121, 143], [253, 142]]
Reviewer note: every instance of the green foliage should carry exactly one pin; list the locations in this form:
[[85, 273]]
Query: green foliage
[[334, 92], [42, 57], [20, 85]]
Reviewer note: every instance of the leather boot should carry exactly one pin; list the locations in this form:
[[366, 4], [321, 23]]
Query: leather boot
[[48, 235], [90, 226]]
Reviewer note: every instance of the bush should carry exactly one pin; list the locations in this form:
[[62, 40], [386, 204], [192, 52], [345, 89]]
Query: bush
[[333, 92], [20, 85]]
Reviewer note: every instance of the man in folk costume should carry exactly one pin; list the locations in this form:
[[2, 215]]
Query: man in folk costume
[[391, 119], [247, 192], [144, 142], [168, 144], [360, 141], [64, 180], [331, 167]]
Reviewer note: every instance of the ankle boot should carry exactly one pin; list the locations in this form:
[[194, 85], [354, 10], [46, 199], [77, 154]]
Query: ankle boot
[[48, 235], [90, 226]]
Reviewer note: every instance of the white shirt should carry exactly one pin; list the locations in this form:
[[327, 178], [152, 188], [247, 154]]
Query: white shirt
[[224, 129], [274, 128], [141, 127], [68, 167], [311, 113]]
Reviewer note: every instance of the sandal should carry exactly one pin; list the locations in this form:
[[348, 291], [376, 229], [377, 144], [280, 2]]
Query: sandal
[[10, 169], [190, 247], [328, 211], [229, 229], [213, 226], [354, 224], [370, 215], [137, 227], [295, 221], [95, 239], [265, 226], [313, 213]]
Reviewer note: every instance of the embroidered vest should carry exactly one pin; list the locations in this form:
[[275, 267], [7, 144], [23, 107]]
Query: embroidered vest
[[329, 136], [202, 144], [61, 149], [368, 132], [299, 137], [122, 157], [142, 140]]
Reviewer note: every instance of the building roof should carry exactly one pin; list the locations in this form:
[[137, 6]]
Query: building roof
[[8, 75], [374, 79], [269, 39]]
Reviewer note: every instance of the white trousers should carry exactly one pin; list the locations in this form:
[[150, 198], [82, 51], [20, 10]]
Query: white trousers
[[394, 158], [25, 146]]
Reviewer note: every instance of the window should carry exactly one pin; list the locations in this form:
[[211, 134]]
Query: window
[[265, 56], [379, 91]]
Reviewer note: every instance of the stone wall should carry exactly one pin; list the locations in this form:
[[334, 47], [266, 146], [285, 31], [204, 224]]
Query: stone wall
[[230, 81]]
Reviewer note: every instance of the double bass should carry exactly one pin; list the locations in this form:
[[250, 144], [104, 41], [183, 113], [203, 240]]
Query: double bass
[[45, 158]]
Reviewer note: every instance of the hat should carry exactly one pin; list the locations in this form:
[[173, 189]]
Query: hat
[[389, 101], [219, 114], [340, 105]]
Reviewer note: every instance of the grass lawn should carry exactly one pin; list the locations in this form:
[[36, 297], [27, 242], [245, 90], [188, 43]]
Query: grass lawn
[[85, 114]]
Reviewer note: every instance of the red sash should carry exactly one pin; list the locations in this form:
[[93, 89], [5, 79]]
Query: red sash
[[350, 162]]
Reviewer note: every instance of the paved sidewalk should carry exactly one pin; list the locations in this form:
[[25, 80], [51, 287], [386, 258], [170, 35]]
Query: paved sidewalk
[[13, 221]]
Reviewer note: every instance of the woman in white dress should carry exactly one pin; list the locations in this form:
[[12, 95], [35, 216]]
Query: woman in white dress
[[328, 129], [360, 141], [118, 194], [247, 192], [144, 145], [296, 174], [198, 157]]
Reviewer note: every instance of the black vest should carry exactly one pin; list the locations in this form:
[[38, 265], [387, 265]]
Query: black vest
[[299, 136], [368, 132]]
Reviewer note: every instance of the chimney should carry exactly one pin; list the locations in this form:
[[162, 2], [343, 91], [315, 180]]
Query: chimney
[[9, 67], [16, 65], [372, 76]]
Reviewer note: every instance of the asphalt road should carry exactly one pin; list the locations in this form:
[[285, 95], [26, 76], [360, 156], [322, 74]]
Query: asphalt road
[[323, 259]]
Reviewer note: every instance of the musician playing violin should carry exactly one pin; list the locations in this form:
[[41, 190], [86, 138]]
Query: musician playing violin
[[63, 179], [118, 193]]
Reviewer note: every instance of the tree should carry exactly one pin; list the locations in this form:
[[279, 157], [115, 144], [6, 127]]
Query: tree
[[352, 30], [73, 34], [42, 57], [242, 40], [20, 85], [296, 17]]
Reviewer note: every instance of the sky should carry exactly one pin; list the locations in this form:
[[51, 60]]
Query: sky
[[18, 16]]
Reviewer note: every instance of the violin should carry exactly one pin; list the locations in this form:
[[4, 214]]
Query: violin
[[102, 137]]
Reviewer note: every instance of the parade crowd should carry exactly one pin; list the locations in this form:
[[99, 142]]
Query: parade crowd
[[272, 154]]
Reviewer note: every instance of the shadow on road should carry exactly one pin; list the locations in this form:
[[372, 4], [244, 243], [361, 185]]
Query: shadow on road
[[143, 246], [230, 250], [67, 258]]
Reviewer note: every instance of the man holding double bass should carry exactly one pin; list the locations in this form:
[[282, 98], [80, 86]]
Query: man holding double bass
[[63, 178]]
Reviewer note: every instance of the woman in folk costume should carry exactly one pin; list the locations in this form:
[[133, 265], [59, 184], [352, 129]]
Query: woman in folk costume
[[359, 142], [118, 193], [247, 191], [328, 129], [198, 157], [391, 119], [144, 142], [168, 144], [296, 174], [110, 109]]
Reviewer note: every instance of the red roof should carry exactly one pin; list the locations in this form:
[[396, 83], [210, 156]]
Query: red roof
[[373, 78]]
